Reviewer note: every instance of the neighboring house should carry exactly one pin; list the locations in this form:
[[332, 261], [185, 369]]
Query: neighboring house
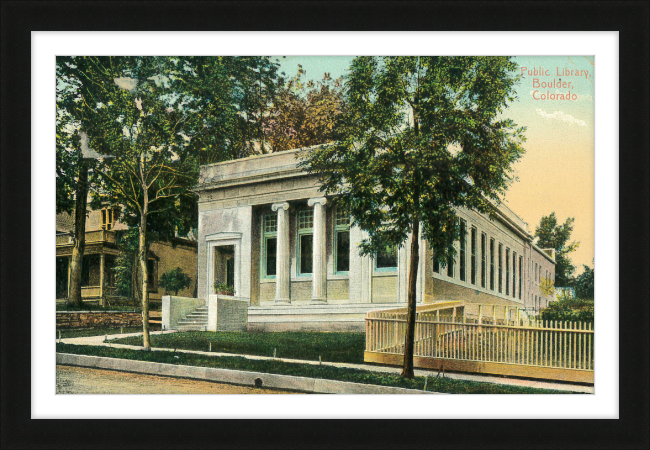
[[267, 230], [97, 277], [566, 292]]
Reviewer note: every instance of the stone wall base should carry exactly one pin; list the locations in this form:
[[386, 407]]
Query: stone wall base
[[91, 319]]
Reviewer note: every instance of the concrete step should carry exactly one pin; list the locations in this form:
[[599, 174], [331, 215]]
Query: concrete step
[[191, 327], [197, 320]]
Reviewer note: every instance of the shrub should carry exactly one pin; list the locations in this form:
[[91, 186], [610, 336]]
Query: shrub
[[175, 280], [569, 309], [223, 288]]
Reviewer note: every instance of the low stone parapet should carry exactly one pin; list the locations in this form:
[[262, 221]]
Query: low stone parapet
[[175, 309], [227, 313], [92, 319]]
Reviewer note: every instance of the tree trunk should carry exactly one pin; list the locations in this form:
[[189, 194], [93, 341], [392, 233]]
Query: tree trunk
[[76, 262], [135, 287], [409, 341], [143, 252]]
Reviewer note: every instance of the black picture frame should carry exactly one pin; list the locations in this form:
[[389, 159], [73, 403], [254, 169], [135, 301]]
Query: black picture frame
[[630, 19]]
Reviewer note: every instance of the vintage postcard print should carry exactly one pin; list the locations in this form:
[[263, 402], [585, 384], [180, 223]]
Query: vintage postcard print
[[325, 224]]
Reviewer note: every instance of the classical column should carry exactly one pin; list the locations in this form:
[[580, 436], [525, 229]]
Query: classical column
[[283, 255], [102, 269], [319, 271]]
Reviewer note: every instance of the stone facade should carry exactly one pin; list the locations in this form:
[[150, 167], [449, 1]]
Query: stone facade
[[265, 226]]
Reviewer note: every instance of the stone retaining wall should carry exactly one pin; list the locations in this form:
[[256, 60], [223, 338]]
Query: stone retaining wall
[[227, 313], [90, 319]]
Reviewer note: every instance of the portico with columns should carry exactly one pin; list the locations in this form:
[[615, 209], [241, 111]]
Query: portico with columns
[[267, 229], [295, 253]]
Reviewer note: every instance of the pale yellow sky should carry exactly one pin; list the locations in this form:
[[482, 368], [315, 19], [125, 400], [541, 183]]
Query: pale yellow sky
[[557, 172]]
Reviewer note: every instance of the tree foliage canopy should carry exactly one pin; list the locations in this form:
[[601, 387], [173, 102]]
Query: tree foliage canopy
[[151, 121], [584, 283], [422, 136], [305, 114], [551, 235], [177, 112]]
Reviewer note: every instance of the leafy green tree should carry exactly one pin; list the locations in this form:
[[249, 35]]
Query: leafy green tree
[[75, 95], [174, 281], [234, 95], [422, 137], [143, 122], [155, 119], [125, 269], [584, 283], [547, 287], [305, 114], [551, 235]]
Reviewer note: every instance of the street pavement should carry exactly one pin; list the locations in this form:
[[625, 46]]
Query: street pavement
[[84, 380]]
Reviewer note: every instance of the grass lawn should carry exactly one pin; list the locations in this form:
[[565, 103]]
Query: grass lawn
[[445, 385], [82, 332], [332, 347]]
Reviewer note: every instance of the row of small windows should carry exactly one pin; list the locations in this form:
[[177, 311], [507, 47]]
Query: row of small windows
[[513, 285], [386, 260], [537, 271]]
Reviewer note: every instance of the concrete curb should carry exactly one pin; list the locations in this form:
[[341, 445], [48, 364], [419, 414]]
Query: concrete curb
[[269, 380]]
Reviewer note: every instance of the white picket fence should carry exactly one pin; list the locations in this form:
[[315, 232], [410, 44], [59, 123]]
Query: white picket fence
[[450, 335]]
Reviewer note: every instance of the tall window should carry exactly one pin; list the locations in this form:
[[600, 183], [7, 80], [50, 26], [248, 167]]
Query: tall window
[[483, 258], [514, 274], [450, 266], [507, 271], [500, 268], [269, 245], [463, 249], [436, 264], [473, 256], [386, 259], [107, 219], [492, 264], [536, 273], [305, 241], [341, 241], [521, 264]]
